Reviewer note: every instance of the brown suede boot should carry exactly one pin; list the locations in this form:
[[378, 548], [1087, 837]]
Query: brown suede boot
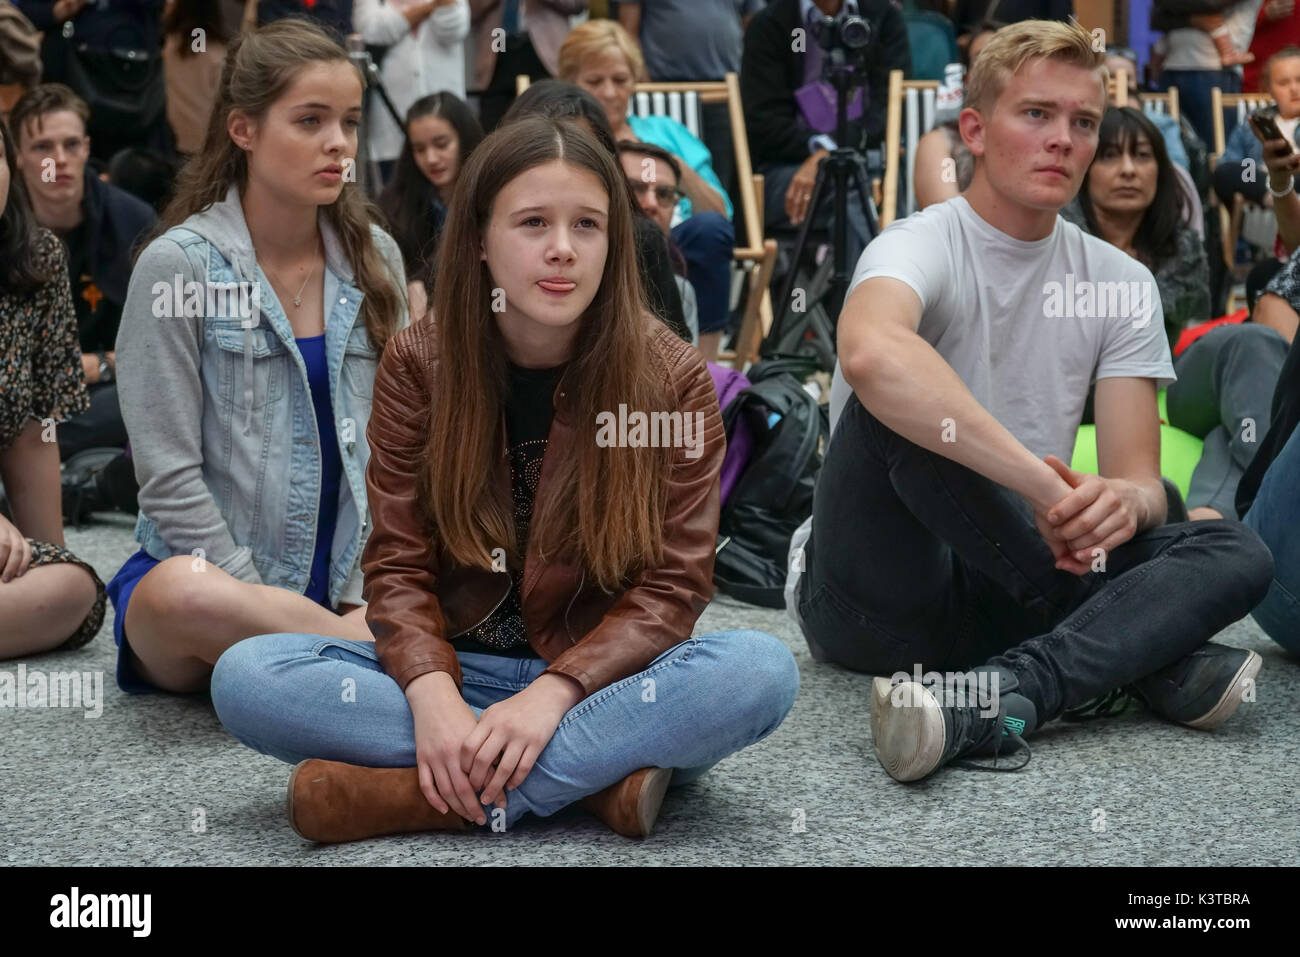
[[631, 806], [330, 802]]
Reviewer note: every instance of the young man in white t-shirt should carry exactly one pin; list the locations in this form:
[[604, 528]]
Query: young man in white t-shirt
[[949, 536]]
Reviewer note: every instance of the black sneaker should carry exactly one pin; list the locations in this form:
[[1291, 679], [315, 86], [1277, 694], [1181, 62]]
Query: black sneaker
[[1200, 690], [1108, 705], [915, 733]]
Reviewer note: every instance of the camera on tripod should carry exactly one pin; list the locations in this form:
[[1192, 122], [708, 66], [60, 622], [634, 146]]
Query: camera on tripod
[[804, 325], [852, 34]]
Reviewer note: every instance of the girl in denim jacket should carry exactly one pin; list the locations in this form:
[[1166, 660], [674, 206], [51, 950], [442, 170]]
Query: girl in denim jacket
[[246, 358]]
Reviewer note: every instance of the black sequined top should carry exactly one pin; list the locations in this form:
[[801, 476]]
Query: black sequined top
[[528, 424]]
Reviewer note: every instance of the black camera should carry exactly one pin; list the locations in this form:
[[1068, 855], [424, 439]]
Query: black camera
[[851, 34]]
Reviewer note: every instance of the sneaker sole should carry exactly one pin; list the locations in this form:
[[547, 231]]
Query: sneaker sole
[[909, 739], [1231, 700]]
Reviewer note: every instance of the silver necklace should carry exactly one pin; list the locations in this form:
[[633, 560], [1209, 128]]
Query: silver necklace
[[297, 300]]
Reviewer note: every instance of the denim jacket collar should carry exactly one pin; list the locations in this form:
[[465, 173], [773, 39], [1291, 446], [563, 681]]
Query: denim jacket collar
[[224, 226]]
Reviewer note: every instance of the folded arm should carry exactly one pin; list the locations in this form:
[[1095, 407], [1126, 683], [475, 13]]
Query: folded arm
[[902, 381], [1128, 445]]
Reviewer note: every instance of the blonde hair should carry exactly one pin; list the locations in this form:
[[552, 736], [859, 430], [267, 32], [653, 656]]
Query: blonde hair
[[593, 38], [1014, 45]]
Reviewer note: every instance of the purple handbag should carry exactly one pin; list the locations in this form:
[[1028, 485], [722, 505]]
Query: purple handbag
[[729, 383]]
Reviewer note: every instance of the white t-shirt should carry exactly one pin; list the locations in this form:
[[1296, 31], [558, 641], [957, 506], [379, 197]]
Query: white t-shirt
[[1028, 326]]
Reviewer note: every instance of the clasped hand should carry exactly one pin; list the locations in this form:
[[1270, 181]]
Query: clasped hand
[[465, 762], [1098, 513]]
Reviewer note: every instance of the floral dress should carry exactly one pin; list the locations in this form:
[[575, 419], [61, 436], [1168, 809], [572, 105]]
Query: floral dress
[[41, 378]]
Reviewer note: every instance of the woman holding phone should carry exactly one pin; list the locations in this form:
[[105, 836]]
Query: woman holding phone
[[533, 580]]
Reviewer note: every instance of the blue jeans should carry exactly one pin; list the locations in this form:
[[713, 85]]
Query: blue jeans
[[1275, 516], [707, 242], [1194, 98], [296, 697]]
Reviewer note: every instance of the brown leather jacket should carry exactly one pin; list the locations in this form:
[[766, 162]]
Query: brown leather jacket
[[417, 598]]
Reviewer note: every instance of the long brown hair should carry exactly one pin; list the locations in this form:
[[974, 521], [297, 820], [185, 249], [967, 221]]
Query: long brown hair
[[603, 507], [259, 67]]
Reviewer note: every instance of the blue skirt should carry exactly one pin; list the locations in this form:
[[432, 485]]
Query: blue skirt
[[119, 593]]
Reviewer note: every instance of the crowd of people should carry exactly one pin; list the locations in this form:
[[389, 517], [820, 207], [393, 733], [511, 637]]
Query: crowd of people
[[362, 439]]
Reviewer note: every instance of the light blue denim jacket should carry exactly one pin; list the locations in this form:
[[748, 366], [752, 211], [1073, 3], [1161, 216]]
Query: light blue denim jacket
[[219, 411]]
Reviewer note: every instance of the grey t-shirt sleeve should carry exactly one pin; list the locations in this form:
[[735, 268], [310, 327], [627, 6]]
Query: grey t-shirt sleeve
[[1135, 344], [907, 251]]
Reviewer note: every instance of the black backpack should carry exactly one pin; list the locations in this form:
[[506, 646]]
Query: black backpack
[[774, 494]]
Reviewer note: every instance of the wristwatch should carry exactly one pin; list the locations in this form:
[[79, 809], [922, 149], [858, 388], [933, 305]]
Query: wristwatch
[[105, 370]]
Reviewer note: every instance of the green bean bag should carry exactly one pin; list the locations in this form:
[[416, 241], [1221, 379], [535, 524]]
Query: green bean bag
[[1179, 451]]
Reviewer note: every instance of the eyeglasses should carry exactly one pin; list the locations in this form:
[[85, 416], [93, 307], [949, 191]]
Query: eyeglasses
[[664, 195]]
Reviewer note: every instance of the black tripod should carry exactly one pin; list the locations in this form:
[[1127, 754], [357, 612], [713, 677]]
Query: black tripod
[[367, 169], [824, 295]]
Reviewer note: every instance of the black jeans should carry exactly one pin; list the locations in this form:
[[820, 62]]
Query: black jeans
[[100, 426], [915, 560]]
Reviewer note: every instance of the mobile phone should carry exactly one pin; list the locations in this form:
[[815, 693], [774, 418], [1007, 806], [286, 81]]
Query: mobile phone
[[1267, 129]]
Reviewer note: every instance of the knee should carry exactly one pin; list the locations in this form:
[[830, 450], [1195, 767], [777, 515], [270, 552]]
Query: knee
[[715, 228], [182, 589], [1256, 340], [763, 676], [241, 681], [1244, 564], [706, 232]]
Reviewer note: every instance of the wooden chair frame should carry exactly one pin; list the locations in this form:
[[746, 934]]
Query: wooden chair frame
[[1230, 219], [902, 93], [1119, 96], [758, 255]]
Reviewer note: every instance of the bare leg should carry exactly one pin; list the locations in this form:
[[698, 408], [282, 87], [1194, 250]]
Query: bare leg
[[43, 607], [709, 344], [1203, 513], [181, 620]]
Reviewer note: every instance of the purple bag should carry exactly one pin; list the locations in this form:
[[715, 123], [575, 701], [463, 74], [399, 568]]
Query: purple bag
[[729, 383]]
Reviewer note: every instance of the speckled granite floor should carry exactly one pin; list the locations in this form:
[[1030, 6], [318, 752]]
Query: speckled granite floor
[[123, 788]]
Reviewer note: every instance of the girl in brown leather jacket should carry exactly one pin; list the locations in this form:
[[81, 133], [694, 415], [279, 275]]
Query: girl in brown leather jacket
[[543, 480]]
